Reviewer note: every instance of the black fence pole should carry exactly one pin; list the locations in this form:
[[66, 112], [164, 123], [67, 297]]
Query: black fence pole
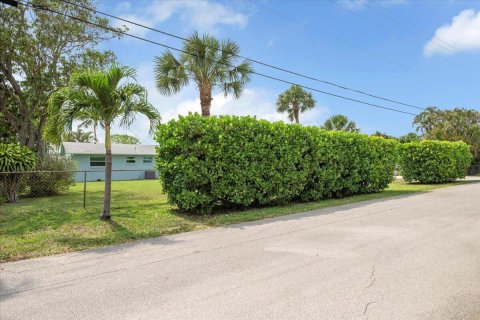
[[84, 188]]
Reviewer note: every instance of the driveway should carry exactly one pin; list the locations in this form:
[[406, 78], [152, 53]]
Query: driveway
[[408, 257]]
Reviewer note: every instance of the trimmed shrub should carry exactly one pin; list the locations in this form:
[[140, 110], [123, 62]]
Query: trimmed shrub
[[59, 175], [13, 159], [430, 161], [211, 162]]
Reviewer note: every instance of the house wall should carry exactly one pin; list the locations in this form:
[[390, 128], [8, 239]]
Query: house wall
[[118, 163]]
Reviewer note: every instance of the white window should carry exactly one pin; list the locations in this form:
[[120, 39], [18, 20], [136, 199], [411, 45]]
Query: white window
[[131, 160], [147, 159], [97, 161]]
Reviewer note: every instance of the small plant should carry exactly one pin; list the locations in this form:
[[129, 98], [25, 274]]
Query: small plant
[[434, 161], [57, 177], [13, 160]]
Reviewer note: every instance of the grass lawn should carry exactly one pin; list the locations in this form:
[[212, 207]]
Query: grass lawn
[[44, 226]]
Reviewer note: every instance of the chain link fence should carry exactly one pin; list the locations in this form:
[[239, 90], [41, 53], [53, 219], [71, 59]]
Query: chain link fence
[[79, 189], [72, 190]]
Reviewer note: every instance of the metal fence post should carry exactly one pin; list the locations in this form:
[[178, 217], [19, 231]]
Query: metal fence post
[[84, 188]]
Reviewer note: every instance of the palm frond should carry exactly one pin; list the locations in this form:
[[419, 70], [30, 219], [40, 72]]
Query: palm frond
[[170, 75]]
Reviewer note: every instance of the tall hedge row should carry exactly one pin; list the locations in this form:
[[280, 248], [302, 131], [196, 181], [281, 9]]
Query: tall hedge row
[[434, 161], [209, 162]]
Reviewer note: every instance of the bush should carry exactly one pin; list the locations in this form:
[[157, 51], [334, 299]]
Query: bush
[[59, 176], [434, 161], [13, 160], [210, 162]]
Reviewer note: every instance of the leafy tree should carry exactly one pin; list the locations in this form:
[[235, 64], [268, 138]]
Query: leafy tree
[[294, 101], [458, 124], [6, 135], [125, 139], [209, 63], [38, 52], [78, 136], [340, 122], [109, 96], [13, 159], [409, 137]]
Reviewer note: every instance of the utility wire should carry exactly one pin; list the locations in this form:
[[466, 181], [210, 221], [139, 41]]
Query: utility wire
[[247, 58], [352, 12], [44, 8], [418, 31], [339, 39]]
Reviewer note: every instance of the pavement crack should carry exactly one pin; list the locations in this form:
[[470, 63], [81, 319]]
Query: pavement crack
[[372, 277], [367, 305]]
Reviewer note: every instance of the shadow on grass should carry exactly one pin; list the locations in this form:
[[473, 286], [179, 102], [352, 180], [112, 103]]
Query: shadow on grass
[[38, 214]]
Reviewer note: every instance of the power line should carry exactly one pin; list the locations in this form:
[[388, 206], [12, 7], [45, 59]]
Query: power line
[[389, 31], [247, 58], [418, 31], [44, 8], [339, 39]]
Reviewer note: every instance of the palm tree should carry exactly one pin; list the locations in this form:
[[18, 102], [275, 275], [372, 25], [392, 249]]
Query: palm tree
[[89, 121], [341, 123], [78, 136], [209, 63], [294, 101], [107, 96]]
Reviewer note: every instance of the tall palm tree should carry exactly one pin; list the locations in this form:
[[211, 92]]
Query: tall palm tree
[[294, 101], [209, 63], [341, 123], [107, 96]]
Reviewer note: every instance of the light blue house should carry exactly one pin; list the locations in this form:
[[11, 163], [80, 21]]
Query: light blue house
[[129, 161]]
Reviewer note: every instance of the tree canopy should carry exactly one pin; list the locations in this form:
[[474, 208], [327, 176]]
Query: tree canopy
[[209, 62], [39, 51], [458, 124], [125, 139]]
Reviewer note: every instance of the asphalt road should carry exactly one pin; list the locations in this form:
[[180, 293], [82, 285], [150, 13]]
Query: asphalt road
[[408, 257]]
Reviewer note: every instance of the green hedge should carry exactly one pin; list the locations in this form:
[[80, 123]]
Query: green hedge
[[434, 161], [210, 162]]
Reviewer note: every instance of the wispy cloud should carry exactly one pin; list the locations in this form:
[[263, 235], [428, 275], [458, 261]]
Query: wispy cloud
[[463, 34], [202, 15]]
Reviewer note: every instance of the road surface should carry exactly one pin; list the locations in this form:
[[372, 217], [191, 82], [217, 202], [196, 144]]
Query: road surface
[[407, 257]]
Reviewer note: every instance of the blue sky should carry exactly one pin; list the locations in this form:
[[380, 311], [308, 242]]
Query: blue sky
[[419, 52]]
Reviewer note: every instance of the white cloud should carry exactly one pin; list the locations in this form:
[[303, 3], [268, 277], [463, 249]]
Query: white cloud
[[203, 15], [463, 34]]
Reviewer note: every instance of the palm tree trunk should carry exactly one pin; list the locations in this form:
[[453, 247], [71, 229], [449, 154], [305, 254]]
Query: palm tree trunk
[[108, 174], [296, 114], [95, 140], [205, 100]]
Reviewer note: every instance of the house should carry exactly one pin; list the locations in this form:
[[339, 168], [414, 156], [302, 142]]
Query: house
[[129, 161]]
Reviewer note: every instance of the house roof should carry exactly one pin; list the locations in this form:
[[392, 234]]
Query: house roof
[[99, 148]]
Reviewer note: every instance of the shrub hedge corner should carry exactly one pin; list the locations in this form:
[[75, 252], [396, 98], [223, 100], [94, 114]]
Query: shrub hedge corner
[[430, 161]]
